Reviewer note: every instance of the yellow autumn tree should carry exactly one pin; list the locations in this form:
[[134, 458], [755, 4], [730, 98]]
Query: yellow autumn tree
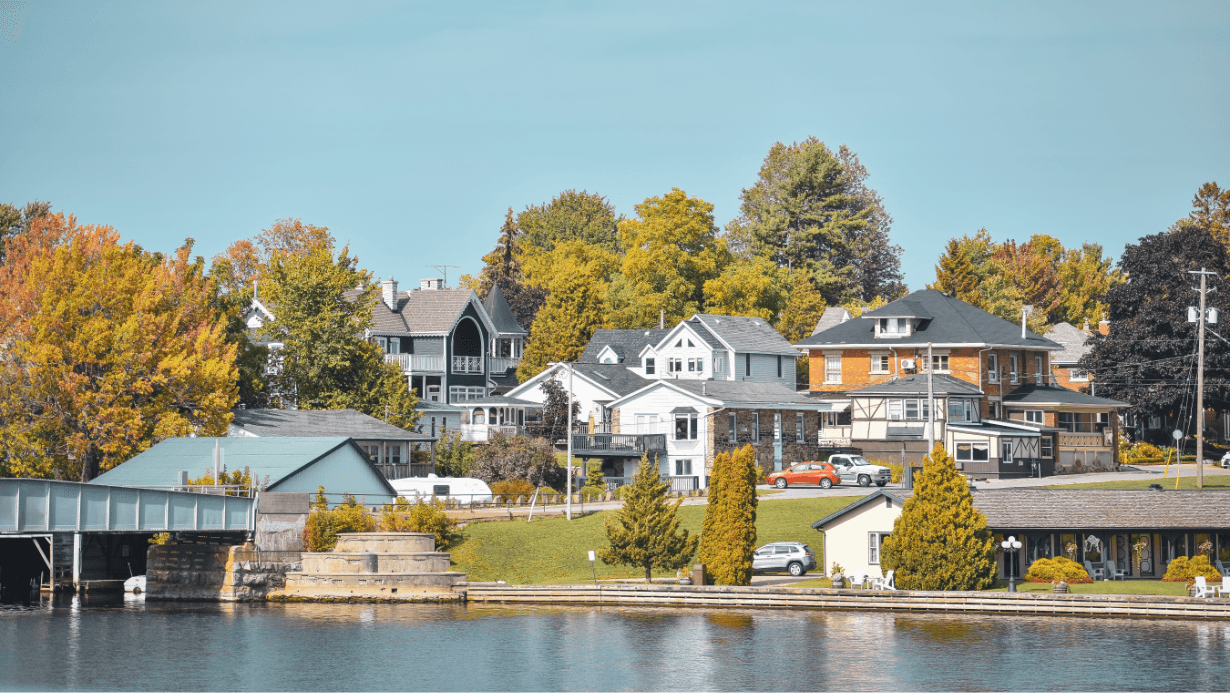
[[752, 287], [107, 350]]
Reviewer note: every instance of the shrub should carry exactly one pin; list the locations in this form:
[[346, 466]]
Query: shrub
[[323, 525], [897, 469], [1184, 569], [421, 517], [728, 533], [1144, 453], [454, 456], [518, 457], [940, 541], [511, 488], [1058, 568]]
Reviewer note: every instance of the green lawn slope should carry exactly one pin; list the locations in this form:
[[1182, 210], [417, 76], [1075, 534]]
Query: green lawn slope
[[555, 551], [1211, 481]]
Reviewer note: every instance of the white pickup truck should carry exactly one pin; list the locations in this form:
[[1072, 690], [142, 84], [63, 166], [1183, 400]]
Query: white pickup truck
[[856, 469]]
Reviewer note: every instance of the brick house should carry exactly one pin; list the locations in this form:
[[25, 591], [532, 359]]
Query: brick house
[[997, 408]]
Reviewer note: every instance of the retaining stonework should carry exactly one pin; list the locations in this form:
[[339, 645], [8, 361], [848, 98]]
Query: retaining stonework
[[215, 573], [1136, 606], [383, 566]]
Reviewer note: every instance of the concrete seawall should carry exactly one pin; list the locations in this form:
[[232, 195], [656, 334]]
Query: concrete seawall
[[1136, 606]]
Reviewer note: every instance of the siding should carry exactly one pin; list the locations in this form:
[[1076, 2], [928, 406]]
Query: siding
[[343, 471], [846, 540]]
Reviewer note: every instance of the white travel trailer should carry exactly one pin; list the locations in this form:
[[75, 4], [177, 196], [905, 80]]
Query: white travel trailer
[[460, 489]]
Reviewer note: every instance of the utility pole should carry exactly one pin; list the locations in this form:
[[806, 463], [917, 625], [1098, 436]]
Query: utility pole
[[568, 434], [1202, 317], [930, 401]]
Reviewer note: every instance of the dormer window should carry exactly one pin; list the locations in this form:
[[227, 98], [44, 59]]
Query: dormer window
[[649, 366], [893, 327]]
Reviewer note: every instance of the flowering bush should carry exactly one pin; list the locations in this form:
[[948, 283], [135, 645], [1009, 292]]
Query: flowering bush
[[1184, 569], [1058, 568]]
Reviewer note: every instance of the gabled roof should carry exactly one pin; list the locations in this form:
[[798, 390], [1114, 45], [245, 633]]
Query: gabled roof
[[744, 334], [898, 498], [292, 423], [501, 314], [737, 394], [942, 384], [832, 317], [1043, 395], [627, 344], [423, 311], [613, 377], [277, 458], [944, 321], [1075, 343]]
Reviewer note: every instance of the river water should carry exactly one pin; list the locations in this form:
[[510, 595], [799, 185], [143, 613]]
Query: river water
[[127, 644]]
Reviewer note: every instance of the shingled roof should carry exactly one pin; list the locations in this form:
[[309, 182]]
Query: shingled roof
[[1074, 340], [943, 321], [627, 344], [500, 312], [831, 317], [751, 393], [1040, 395], [943, 384], [298, 423], [1085, 510], [614, 377], [744, 334]]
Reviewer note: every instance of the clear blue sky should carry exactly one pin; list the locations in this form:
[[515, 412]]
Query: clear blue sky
[[408, 128]]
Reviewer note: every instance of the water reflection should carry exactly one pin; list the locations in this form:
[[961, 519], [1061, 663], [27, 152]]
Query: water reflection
[[128, 644]]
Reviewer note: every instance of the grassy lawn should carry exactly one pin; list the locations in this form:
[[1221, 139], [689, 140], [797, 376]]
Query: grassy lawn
[[554, 551], [1211, 481], [1173, 589]]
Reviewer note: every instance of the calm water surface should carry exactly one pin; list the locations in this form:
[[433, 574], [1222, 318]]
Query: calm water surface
[[130, 645]]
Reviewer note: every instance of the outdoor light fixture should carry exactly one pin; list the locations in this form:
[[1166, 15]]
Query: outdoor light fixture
[[1011, 545]]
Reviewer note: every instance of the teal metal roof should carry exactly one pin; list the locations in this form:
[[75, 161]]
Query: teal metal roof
[[278, 458]]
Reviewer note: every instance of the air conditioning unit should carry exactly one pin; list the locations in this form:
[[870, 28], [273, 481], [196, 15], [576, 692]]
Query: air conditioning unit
[[907, 364]]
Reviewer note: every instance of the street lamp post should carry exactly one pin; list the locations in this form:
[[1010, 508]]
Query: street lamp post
[[1011, 545]]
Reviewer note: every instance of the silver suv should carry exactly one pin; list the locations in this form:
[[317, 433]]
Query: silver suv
[[790, 556]]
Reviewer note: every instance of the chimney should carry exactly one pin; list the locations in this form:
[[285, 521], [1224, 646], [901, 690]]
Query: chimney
[[433, 284], [1104, 326], [1085, 328], [388, 291]]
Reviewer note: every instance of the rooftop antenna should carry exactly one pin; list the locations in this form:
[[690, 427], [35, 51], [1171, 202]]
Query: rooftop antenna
[[443, 269]]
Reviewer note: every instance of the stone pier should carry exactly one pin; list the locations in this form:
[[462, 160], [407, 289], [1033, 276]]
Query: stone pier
[[392, 566]]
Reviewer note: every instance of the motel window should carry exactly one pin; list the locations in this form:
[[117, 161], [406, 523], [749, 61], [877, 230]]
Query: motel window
[[832, 369], [874, 541], [1033, 416], [649, 366], [685, 427]]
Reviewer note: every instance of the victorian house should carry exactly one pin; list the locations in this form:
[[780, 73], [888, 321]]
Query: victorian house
[[998, 407]]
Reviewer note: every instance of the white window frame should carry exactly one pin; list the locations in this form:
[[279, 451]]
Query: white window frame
[[756, 428], [1077, 375], [1033, 416], [939, 362], [881, 364], [1047, 448], [875, 546], [993, 368], [1014, 372], [691, 430], [1038, 365], [899, 407], [800, 432], [832, 375], [463, 393], [650, 366], [683, 467], [960, 457]]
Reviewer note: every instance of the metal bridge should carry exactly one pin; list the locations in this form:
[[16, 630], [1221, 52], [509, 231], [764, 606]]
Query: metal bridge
[[36, 505]]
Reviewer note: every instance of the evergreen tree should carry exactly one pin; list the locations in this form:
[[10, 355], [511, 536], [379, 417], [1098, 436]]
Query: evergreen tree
[[503, 268], [1211, 211], [955, 274], [565, 324], [803, 309], [728, 534], [645, 532], [940, 541]]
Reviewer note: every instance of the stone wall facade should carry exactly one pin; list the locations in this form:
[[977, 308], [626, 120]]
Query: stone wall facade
[[215, 573]]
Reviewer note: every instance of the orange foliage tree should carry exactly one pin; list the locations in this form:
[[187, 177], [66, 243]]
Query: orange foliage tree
[[105, 349]]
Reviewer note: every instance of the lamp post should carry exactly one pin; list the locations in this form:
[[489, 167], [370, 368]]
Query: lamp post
[[1011, 545]]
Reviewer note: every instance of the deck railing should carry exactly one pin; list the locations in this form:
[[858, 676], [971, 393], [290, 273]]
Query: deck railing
[[1083, 440], [481, 433], [467, 364], [502, 364], [678, 483], [416, 363], [632, 445], [392, 472]]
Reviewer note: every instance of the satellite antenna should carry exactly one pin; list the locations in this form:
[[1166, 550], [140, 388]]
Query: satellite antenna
[[443, 269]]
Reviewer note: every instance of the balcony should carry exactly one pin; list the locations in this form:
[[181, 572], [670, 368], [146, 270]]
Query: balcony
[[482, 433], [1083, 440], [468, 364], [502, 364], [617, 444], [416, 363]]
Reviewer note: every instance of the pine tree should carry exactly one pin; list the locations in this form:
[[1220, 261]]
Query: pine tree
[[728, 534], [645, 533], [955, 274], [940, 541], [564, 326]]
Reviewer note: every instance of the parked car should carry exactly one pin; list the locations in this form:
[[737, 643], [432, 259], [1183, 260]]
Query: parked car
[[1225, 461], [856, 469], [791, 556], [821, 473]]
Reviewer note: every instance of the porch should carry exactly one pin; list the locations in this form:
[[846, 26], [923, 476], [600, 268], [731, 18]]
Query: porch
[[617, 444], [1137, 553], [416, 363]]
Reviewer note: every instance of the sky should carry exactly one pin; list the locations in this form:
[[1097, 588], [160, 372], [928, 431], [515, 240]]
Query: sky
[[408, 128]]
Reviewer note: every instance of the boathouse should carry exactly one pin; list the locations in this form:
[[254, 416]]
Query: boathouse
[[1137, 532]]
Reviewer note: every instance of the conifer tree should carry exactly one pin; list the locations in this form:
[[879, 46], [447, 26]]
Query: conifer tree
[[940, 541], [955, 274], [563, 327], [728, 534], [646, 533]]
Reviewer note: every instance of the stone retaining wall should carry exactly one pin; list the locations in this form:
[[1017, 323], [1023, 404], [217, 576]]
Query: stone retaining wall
[[1138, 606], [215, 573]]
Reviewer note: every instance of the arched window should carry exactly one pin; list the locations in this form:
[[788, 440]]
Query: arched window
[[479, 416]]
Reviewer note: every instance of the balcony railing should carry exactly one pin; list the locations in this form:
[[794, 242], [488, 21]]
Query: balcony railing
[[502, 364], [392, 472], [416, 363], [467, 364], [678, 483], [1083, 440], [621, 444], [481, 433]]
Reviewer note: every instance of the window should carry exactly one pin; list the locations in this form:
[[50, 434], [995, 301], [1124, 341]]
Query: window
[[683, 467], [649, 366], [1048, 449], [756, 427], [939, 362], [961, 410], [894, 327], [915, 409], [1006, 452], [993, 368], [874, 541], [879, 364], [734, 429], [894, 410], [1077, 375], [1013, 367], [1033, 416], [799, 433], [911, 409], [674, 365], [696, 365], [433, 425], [1038, 369], [747, 364], [779, 366], [392, 454], [479, 416], [972, 452], [691, 365], [457, 393], [1074, 422], [691, 344], [685, 427], [832, 369], [718, 366]]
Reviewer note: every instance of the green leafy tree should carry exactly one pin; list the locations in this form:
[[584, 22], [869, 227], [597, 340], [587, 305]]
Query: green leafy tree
[[555, 418], [1087, 277], [564, 326], [454, 456], [645, 533], [431, 518], [1211, 212], [671, 249], [570, 216], [728, 534], [940, 541]]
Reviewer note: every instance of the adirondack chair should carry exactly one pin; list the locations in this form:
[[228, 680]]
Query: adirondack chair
[[1202, 590], [1112, 571], [884, 583], [1095, 573], [1223, 590], [858, 577], [1222, 568]]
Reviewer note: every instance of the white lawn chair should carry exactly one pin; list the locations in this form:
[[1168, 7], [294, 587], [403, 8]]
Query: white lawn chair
[[884, 583], [1112, 571], [1223, 590], [1202, 590], [858, 577], [1095, 573]]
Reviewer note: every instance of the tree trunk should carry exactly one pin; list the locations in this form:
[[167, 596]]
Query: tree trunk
[[89, 464], [648, 577]]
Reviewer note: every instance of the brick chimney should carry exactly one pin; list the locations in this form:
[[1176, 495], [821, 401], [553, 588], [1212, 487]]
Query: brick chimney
[[432, 284], [1104, 326], [388, 292]]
